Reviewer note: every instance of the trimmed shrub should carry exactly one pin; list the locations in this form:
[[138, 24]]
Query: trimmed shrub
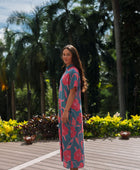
[[111, 126]]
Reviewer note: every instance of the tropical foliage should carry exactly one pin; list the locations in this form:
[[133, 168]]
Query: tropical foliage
[[47, 127], [31, 56]]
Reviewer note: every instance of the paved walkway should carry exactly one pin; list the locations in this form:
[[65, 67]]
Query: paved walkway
[[101, 154]]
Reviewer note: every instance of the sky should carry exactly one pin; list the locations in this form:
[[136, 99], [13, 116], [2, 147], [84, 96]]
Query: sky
[[8, 6]]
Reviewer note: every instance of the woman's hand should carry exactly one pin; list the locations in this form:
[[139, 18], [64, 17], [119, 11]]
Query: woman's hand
[[65, 116]]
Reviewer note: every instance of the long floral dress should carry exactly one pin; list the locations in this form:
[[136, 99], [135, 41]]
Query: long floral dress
[[71, 133]]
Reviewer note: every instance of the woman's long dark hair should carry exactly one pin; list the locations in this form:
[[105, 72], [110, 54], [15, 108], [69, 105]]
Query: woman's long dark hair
[[78, 64]]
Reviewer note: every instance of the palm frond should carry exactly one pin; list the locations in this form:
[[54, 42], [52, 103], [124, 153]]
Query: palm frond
[[18, 18]]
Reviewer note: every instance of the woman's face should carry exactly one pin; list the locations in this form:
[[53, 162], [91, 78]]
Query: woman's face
[[67, 57]]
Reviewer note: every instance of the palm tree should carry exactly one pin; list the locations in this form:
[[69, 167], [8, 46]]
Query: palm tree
[[30, 41], [63, 22], [23, 69], [10, 63], [50, 37]]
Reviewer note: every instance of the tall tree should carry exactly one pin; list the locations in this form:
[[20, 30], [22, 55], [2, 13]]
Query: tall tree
[[11, 64], [130, 40], [115, 6], [88, 37], [34, 49], [50, 37]]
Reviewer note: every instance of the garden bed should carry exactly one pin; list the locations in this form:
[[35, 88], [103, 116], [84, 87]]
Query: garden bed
[[47, 127]]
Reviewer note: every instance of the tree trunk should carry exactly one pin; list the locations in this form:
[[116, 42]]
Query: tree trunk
[[55, 96], [85, 96], [115, 6], [70, 37], [42, 93], [69, 32], [7, 105], [86, 102], [8, 97], [29, 101], [13, 100]]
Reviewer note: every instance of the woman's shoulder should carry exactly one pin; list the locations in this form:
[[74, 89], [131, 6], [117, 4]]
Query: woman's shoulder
[[73, 69]]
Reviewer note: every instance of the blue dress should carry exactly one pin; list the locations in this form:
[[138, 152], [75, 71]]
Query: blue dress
[[71, 137]]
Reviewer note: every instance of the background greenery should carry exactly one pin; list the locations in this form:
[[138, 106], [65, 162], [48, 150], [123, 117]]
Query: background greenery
[[31, 67]]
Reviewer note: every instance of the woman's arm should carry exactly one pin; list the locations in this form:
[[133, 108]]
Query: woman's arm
[[68, 105]]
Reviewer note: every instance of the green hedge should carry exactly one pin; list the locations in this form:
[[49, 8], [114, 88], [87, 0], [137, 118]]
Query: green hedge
[[111, 126]]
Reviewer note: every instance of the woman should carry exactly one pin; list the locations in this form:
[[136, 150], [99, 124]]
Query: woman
[[70, 110]]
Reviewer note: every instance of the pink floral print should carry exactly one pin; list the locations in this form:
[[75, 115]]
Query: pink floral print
[[78, 155], [71, 136], [67, 155]]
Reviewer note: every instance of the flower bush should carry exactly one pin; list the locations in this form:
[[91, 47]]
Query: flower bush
[[111, 126], [47, 127], [7, 131], [41, 126]]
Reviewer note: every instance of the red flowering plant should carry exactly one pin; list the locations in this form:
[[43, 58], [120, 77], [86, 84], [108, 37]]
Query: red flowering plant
[[48, 127], [40, 126]]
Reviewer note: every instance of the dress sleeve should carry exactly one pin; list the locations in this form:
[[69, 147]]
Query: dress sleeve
[[74, 77]]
